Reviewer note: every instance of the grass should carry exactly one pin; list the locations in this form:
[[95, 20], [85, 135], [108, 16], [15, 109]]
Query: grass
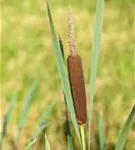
[[27, 50], [96, 48]]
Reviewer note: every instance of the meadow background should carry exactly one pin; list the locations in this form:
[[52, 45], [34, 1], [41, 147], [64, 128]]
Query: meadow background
[[27, 50]]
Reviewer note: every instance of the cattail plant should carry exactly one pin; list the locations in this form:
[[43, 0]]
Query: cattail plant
[[74, 95], [77, 82], [76, 79]]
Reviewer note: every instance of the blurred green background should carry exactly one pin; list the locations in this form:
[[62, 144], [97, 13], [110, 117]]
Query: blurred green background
[[27, 50]]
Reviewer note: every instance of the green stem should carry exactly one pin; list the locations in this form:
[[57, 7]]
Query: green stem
[[82, 137]]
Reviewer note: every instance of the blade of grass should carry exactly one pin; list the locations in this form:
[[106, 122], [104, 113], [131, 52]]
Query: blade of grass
[[94, 59], [67, 124], [26, 107], [101, 133], [47, 144], [35, 136], [30, 145], [39, 137], [37, 141], [68, 134], [46, 115], [70, 142], [40, 140], [8, 117], [125, 130], [63, 74]]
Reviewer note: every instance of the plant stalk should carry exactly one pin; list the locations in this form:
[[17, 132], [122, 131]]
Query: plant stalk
[[83, 137]]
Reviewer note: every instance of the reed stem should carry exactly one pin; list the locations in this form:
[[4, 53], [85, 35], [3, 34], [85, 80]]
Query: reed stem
[[83, 137]]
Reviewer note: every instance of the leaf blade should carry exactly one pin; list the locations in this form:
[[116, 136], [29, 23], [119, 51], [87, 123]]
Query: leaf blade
[[26, 107], [47, 112], [101, 133], [29, 146], [63, 73], [47, 144], [125, 130], [95, 57], [8, 117]]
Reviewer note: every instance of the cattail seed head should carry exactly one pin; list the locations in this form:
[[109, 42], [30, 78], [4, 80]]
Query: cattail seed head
[[77, 87]]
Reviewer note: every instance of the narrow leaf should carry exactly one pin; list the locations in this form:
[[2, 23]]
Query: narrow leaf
[[47, 144], [94, 59], [67, 124], [37, 138], [101, 133], [70, 142], [47, 112], [68, 134], [40, 140], [7, 118], [26, 107], [30, 145], [63, 74], [125, 130]]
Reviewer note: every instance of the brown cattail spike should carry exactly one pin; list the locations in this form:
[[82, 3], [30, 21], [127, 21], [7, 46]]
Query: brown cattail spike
[[71, 41], [77, 87]]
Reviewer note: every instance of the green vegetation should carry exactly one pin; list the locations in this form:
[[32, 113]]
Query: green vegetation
[[27, 50]]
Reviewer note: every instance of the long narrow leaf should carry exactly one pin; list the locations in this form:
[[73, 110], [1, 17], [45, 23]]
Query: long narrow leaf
[[95, 56], [70, 142], [47, 144], [40, 139], [7, 118], [67, 124], [27, 104], [35, 139], [30, 145], [125, 130], [68, 135], [63, 74], [101, 133], [47, 112]]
